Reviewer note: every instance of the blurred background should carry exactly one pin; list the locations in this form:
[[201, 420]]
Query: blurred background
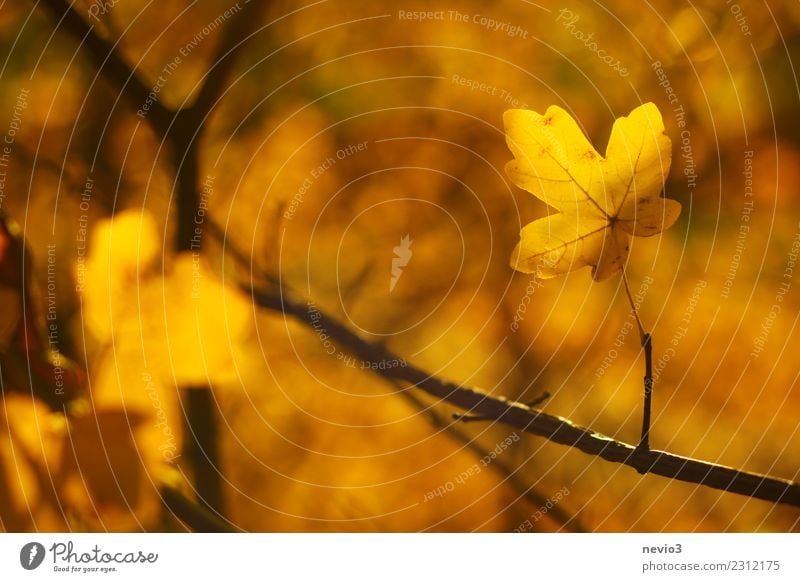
[[344, 128]]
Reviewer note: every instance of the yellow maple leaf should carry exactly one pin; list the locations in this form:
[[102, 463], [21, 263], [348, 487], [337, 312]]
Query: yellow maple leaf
[[603, 201]]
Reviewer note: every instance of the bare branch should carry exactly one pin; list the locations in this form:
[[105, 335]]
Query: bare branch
[[193, 515], [236, 34], [554, 428], [109, 63], [190, 123]]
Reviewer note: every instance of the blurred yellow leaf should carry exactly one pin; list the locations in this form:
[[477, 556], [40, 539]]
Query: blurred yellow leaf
[[192, 324], [30, 444], [162, 330], [123, 249], [186, 324], [603, 201], [103, 469]]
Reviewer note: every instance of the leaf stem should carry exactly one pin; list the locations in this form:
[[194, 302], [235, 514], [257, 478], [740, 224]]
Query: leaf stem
[[633, 306], [647, 345]]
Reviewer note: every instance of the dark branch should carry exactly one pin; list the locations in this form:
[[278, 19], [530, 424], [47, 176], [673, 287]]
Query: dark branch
[[554, 428], [202, 446], [190, 123], [236, 34], [193, 515], [109, 63]]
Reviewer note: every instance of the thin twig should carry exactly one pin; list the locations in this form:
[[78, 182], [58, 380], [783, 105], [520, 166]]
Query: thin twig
[[635, 310], [647, 344]]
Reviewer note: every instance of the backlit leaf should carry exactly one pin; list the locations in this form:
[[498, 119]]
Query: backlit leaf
[[602, 200]]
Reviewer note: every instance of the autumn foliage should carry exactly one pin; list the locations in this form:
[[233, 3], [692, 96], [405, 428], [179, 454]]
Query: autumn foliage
[[379, 167]]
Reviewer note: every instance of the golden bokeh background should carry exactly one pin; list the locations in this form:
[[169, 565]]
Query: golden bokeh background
[[344, 127]]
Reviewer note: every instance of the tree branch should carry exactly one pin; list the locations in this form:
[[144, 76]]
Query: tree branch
[[235, 35], [554, 428], [109, 63], [193, 515]]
